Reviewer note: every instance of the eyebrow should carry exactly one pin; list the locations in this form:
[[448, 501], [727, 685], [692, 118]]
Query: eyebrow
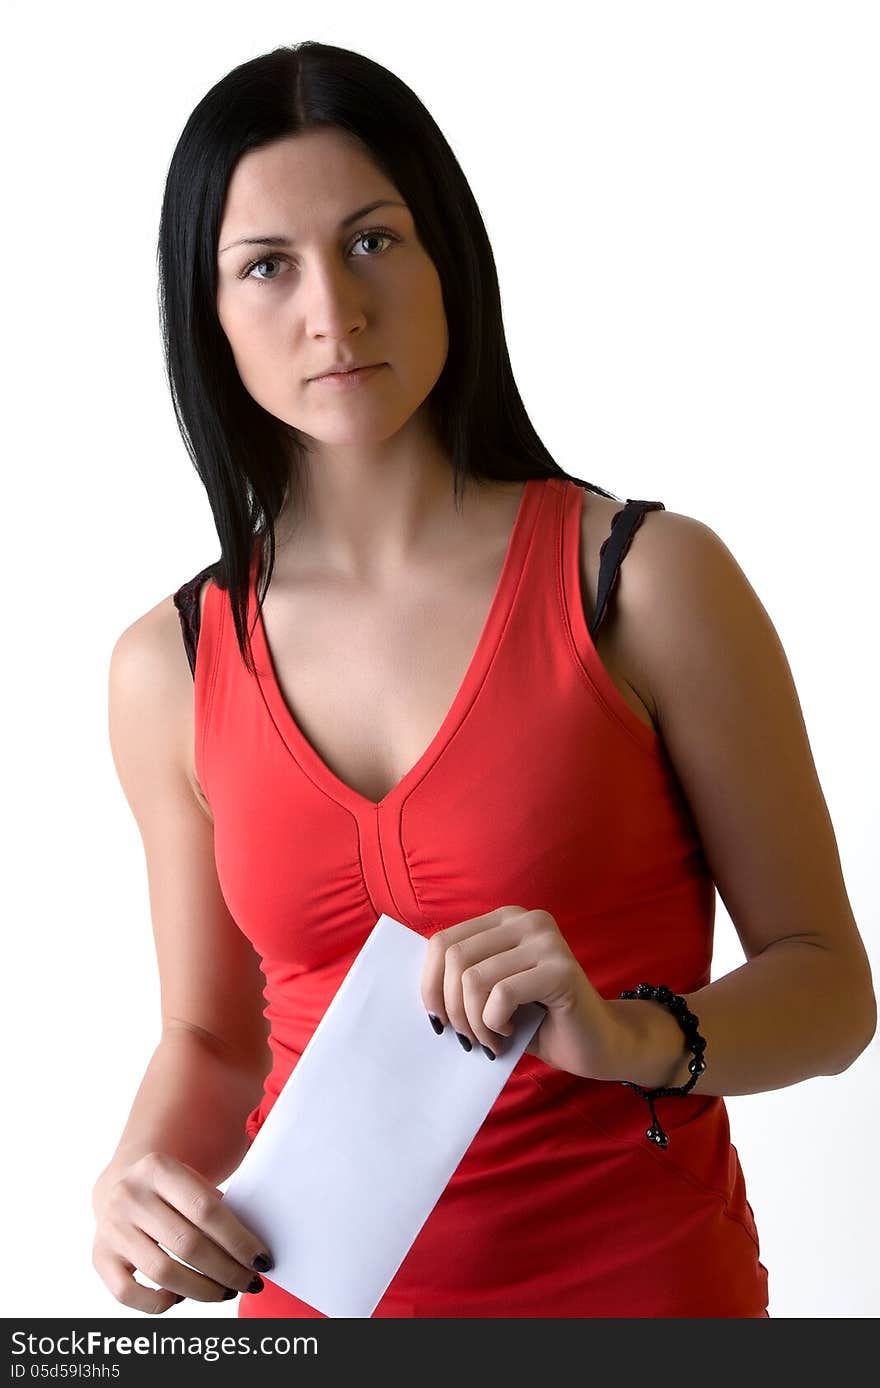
[[288, 240]]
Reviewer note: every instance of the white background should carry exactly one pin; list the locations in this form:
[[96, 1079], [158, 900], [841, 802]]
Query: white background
[[682, 200]]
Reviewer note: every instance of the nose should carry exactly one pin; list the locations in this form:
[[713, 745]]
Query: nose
[[335, 309]]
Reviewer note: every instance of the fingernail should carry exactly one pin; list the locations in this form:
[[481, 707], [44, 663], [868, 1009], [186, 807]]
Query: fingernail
[[485, 1049], [465, 1041], [256, 1284], [230, 1292], [435, 1023], [262, 1262]]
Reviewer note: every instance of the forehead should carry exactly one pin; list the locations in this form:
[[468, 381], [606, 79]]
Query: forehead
[[302, 180]]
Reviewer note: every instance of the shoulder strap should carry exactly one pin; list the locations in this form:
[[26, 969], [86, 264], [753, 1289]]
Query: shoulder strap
[[186, 600], [614, 547]]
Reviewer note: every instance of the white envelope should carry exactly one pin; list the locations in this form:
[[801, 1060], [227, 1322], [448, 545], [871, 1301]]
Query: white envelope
[[364, 1136]]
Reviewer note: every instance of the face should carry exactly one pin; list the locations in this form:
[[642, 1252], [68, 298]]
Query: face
[[366, 292]]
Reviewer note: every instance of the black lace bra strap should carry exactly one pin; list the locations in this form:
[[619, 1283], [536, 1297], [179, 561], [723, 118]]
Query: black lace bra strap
[[614, 547], [186, 600]]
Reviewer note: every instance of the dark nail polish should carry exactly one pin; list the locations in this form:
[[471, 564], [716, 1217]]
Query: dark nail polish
[[229, 1293], [486, 1051], [255, 1285], [262, 1262], [435, 1023], [465, 1041]]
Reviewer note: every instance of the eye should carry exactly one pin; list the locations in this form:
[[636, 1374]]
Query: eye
[[382, 232], [266, 260]]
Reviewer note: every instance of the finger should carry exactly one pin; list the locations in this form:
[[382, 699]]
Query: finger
[[117, 1274], [467, 959], [515, 991], [492, 990], [202, 1205], [165, 1225], [432, 978], [157, 1264], [432, 973], [480, 942], [477, 925]]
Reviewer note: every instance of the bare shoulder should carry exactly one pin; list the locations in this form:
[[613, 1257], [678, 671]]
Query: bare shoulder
[[671, 556], [150, 669], [620, 638], [651, 615]]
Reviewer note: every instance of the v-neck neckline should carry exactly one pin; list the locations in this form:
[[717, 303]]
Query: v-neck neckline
[[298, 744]]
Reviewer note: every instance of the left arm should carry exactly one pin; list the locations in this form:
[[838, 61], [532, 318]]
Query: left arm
[[803, 1004], [791, 1012]]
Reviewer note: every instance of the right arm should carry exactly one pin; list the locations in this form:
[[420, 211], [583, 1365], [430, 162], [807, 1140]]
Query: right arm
[[207, 1071]]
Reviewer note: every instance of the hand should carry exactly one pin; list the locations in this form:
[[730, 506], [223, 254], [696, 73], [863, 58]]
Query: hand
[[478, 972], [158, 1199]]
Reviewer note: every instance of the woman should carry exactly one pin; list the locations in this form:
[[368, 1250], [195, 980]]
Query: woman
[[414, 694]]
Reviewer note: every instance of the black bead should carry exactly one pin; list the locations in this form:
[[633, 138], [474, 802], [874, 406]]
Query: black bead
[[689, 1023]]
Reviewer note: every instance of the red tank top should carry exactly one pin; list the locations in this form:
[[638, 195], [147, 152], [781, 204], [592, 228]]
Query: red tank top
[[541, 788]]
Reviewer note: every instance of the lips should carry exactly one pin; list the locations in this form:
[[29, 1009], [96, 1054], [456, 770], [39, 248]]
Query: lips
[[353, 379], [346, 370]]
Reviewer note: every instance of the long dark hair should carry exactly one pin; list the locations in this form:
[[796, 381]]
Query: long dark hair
[[247, 459]]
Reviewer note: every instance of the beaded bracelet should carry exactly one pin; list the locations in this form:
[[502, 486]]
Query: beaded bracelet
[[696, 1043]]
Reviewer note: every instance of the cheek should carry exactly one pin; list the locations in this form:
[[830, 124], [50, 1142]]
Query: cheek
[[250, 333], [437, 318], [259, 364], [242, 321], [425, 328]]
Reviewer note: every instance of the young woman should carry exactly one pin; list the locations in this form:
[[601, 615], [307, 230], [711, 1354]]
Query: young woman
[[422, 680]]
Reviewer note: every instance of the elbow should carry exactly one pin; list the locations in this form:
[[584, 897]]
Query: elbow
[[856, 987], [866, 1034], [872, 1024], [871, 1018]]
